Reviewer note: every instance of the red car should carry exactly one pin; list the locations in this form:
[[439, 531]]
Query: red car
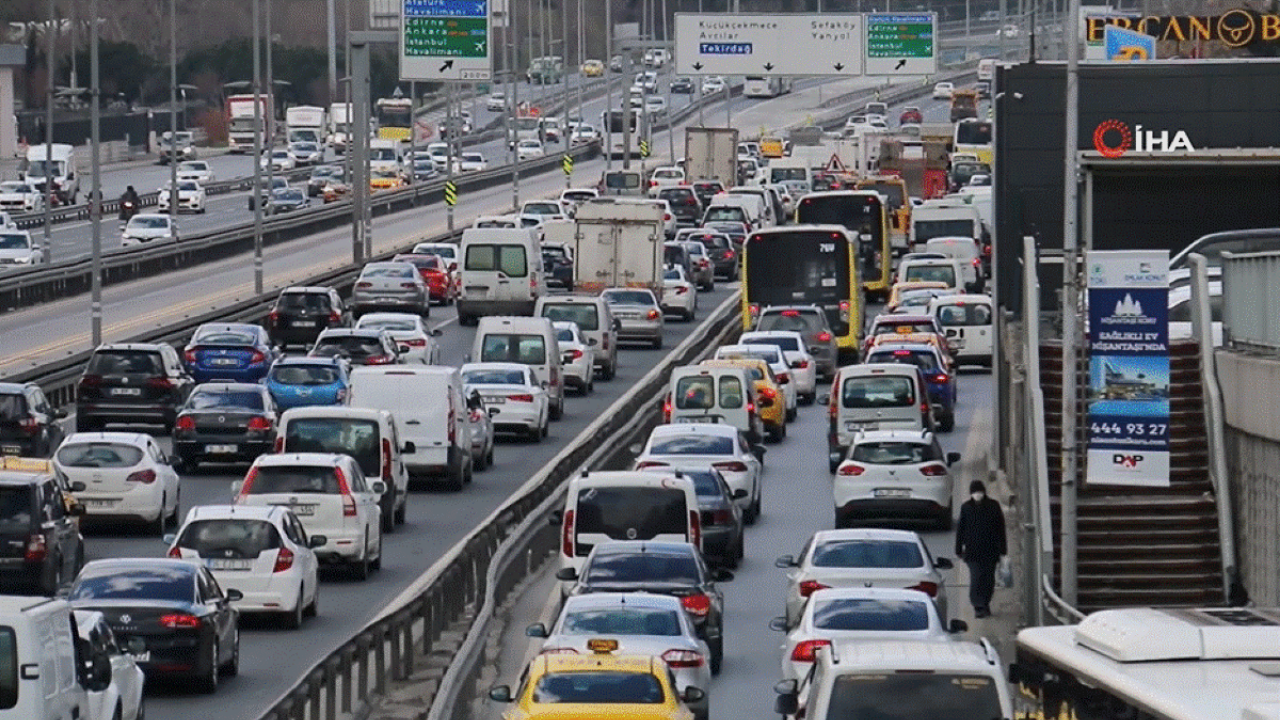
[[435, 271], [910, 115]]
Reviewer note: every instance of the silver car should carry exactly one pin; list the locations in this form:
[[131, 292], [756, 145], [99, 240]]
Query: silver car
[[643, 624], [482, 434], [638, 314], [704, 270], [387, 285]]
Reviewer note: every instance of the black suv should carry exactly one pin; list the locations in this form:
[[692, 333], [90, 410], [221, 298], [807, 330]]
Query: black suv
[[28, 424], [707, 189], [40, 543], [684, 203], [301, 313], [667, 568], [721, 250], [131, 383]]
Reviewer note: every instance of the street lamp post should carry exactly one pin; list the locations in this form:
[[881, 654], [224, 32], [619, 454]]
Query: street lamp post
[[95, 203], [258, 288], [50, 71], [173, 117]]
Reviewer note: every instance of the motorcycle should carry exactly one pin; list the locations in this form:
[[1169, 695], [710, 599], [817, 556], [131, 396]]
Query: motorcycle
[[128, 208]]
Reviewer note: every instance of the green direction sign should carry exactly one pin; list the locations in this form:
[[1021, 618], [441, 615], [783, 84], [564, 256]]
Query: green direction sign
[[446, 37], [445, 40], [901, 44]]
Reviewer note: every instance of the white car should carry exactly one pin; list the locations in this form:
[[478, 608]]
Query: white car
[[679, 296], [573, 197], [802, 367], [1009, 31], [529, 150], [578, 357], [669, 223], [439, 154], [307, 153], [713, 84], [647, 81], [262, 551], [197, 170], [470, 162], [191, 197], [584, 135], [862, 558], [147, 228], [777, 363], [122, 699], [723, 447], [330, 496], [547, 209], [655, 106], [20, 197], [896, 475], [496, 102], [417, 342], [125, 475], [18, 248], [667, 176], [842, 615], [515, 398], [279, 159], [943, 90]]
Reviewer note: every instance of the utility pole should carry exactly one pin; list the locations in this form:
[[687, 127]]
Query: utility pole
[[515, 110], [257, 151], [1070, 307], [173, 117], [95, 203], [51, 67], [449, 152], [331, 44], [626, 113], [270, 142], [608, 85], [564, 78], [671, 135], [359, 147]]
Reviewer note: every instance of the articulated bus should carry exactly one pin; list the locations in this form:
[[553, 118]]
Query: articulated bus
[[615, 137], [974, 137], [806, 265], [863, 214], [1153, 664], [395, 118]]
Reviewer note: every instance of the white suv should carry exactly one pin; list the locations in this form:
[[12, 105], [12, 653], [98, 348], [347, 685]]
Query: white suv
[[330, 496], [895, 475]]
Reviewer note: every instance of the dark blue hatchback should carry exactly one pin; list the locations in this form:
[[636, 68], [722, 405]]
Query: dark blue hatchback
[[939, 378], [236, 352]]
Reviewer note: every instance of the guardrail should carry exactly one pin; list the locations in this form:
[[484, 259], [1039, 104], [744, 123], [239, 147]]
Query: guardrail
[[1250, 282]]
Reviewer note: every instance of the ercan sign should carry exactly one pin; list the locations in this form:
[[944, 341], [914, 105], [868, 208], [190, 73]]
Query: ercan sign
[[1113, 138]]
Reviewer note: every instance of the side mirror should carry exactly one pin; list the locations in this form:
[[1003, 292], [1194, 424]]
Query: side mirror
[[59, 413], [568, 574], [786, 561], [317, 541], [493, 411], [77, 510], [77, 486], [635, 448], [500, 693], [378, 487], [778, 624], [953, 458], [536, 630], [436, 332], [957, 626], [99, 674], [169, 538], [409, 447], [943, 563], [233, 595], [692, 694], [739, 494], [721, 575], [824, 399]]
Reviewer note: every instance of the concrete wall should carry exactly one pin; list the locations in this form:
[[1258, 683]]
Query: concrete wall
[[8, 123]]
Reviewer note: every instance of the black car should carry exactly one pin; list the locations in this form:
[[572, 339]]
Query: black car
[[721, 517], [682, 85], [707, 189], [301, 313], [285, 200], [424, 170], [28, 423], [172, 615], [667, 568], [736, 231], [723, 254], [131, 383], [322, 175], [684, 203], [224, 422], [277, 183], [557, 266], [40, 543], [360, 346]]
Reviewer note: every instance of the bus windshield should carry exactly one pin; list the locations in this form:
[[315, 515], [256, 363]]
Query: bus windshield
[[393, 115], [800, 267]]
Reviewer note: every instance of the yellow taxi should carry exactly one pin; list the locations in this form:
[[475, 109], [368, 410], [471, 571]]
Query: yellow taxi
[[385, 180], [770, 402], [600, 685], [895, 295], [46, 467], [593, 68]]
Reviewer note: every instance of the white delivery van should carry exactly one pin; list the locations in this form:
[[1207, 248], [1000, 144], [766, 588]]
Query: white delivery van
[[709, 394], [46, 670], [626, 505], [501, 273], [428, 404], [61, 161], [595, 321], [384, 156], [734, 208], [367, 435], [968, 322], [528, 341], [931, 269], [967, 252], [875, 396]]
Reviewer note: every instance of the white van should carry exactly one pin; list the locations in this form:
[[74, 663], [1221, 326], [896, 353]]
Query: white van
[[967, 252], [626, 505], [501, 273], [734, 208], [766, 201], [725, 395], [46, 670], [594, 319], [528, 341], [63, 170], [367, 435], [931, 269], [875, 396], [968, 322], [431, 412]]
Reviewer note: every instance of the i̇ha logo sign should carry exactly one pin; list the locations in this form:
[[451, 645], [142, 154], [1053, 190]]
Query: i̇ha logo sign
[[1112, 138]]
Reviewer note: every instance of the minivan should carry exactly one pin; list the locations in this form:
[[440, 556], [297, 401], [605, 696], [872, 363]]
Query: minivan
[[595, 321], [968, 322], [431, 412], [626, 505], [529, 341], [929, 269], [726, 395], [366, 434], [48, 669], [967, 252], [501, 273], [875, 396]]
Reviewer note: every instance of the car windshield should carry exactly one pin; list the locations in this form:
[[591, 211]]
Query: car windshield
[[705, 483], [472, 158], [229, 538], [214, 399], [174, 584], [598, 688], [14, 241], [15, 187], [304, 374], [188, 186], [389, 324], [273, 479], [99, 455], [768, 355], [628, 297], [223, 337], [542, 208], [582, 314], [870, 615], [621, 621], [923, 359], [578, 195], [781, 341], [692, 445], [725, 212], [931, 273], [937, 696], [290, 195], [357, 438], [396, 270], [494, 377], [355, 346], [874, 392], [867, 554], [511, 347], [149, 223], [894, 452]]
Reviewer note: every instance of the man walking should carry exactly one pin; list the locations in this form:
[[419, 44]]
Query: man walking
[[980, 542]]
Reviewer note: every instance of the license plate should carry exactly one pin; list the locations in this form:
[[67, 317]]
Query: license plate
[[220, 449], [303, 323], [696, 419], [11, 449], [892, 493], [223, 564], [126, 391], [98, 503], [224, 361], [301, 510], [494, 400], [861, 426]]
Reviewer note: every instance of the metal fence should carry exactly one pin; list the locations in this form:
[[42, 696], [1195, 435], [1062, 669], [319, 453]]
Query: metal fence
[[1250, 296]]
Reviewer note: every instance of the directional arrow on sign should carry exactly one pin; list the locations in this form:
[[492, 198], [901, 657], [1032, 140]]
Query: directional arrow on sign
[[768, 66], [901, 64], [838, 66], [697, 66], [447, 64]]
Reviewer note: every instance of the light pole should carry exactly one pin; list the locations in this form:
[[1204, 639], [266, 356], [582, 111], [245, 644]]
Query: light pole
[[608, 85], [258, 288], [50, 71], [671, 135], [95, 206]]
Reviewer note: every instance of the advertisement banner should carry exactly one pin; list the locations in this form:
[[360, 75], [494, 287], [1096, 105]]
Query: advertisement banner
[[1128, 368]]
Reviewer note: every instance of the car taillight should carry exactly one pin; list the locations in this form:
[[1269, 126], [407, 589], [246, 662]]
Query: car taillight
[[30, 426], [364, 284], [190, 356], [940, 378], [695, 529], [146, 477], [90, 381], [850, 470], [682, 290], [335, 317], [284, 560], [698, 605], [36, 548], [768, 393], [160, 383], [805, 650], [575, 354], [649, 463], [682, 658], [926, 587], [924, 408], [666, 216], [844, 310], [273, 316], [175, 552], [720, 517], [386, 461], [247, 484], [259, 423], [728, 255], [933, 470], [986, 249], [348, 505], [809, 587], [416, 342], [186, 422], [180, 621], [733, 466], [566, 534], [654, 315], [977, 262], [521, 397], [754, 310], [257, 357], [783, 378], [379, 360], [666, 409], [279, 446], [824, 336]]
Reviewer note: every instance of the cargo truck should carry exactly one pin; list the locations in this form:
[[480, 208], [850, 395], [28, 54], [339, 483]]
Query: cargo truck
[[340, 126], [617, 242], [306, 123], [711, 153], [240, 122]]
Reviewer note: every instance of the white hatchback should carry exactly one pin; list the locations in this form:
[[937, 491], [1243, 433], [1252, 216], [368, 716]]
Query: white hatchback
[[264, 552], [723, 447], [417, 343], [777, 363], [516, 400], [802, 366], [126, 476], [679, 295], [894, 475], [579, 357]]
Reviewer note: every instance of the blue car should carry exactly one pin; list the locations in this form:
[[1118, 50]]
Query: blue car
[[937, 373], [234, 352], [304, 381]]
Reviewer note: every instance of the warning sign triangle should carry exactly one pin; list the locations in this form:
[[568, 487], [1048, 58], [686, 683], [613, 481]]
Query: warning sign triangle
[[834, 165]]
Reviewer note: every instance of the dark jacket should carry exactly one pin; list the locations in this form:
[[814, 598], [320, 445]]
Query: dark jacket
[[980, 532]]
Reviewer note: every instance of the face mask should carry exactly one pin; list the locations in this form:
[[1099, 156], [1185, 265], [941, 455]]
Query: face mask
[[977, 497]]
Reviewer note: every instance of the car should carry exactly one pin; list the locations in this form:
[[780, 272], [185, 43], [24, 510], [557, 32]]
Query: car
[[704, 270], [779, 369], [896, 293], [551, 129], [718, 248], [424, 169], [737, 231], [438, 152], [197, 170], [301, 312], [41, 541], [647, 81], [131, 383], [660, 568], [857, 614], [186, 623], [1009, 31], [269, 185], [470, 162], [557, 265], [448, 252], [185, 146], [359, 347], [679, 295], [655, 625], [122, 699], [279, 159], [684, 202], [615, 64], [720, 517], [656, 57], [579, 357], [943, 90], [638, 314], [862, 558], [584, 135], [224, 422], [516, 401], [665, 176], [592, 68], [229, 351], [148, 228], [284, 200], [390, 284], [713, 84], [264, 552], [706, 189], [385, 179], [442, 281], [330, 496], [803, 369], [6, 221], [939, 375], [910, 115], [722, 447], [126, 476], [417, 342], [306, 153], [669, 226], [305, 381], [20, 197], [902, 324], [482, 431], [894, 475], [549, 209], [496, 102], [682, 85], [29, 424], [655, 106]]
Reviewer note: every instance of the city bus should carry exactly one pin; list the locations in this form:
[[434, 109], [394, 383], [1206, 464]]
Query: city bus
[[394, 117], [615, 134], [862, 212], [974, 137], [756, 86], [805, 265], [1153, 664]]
